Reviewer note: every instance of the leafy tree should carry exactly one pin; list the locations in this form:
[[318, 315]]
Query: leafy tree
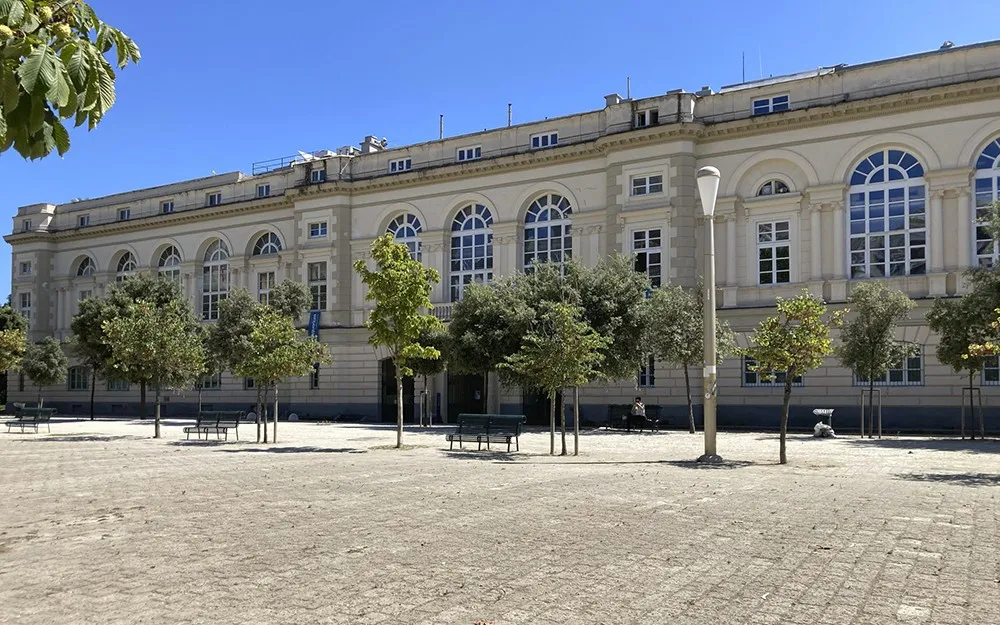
[[89, 344], [13, 343], [53, 67], [277, 350], [290, 298], [437, 338], [676, 333], [400, 288], [559, 351], [156, 346], [868, 344], [793, 341], [228, 342], [45, 363]]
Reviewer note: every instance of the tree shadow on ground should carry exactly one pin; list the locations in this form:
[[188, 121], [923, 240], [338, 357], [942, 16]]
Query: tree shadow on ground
[[82, 438], [710, 466], [295, 450], [487, 456], [931, 444], [960, 479], [204, 443]]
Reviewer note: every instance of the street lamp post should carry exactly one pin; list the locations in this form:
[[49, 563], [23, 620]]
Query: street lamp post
[[708, 190]]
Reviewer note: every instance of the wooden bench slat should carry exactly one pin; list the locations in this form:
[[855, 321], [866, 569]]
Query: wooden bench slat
[[487, 428]]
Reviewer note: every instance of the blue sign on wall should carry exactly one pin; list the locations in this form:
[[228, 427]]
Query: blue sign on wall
[[314, 323]]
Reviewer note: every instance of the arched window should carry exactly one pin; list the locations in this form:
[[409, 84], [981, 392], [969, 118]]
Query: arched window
[[987, 191], [406, 229], [547, 236], [169, 264], [126, 266], [267, 244], [471, 248], [215, 279], [773, 187], [888, 216], [86, 267]]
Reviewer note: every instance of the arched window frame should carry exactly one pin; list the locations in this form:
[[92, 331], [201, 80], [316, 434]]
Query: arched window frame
[[471, 249], [548, 233], [406, 229], [986, 191], [774, 186], [169, 263], [215, 279], [127, 266], [887, 216], [86, 268], [267, 244]]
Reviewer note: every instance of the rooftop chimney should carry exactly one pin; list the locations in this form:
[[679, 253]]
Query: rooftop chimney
[[706, 90], [613, 99], [372, 144]]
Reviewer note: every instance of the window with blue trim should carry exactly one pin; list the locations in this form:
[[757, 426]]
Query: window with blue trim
[[471, 249], [774, 104], [986, 191], [888, 216]]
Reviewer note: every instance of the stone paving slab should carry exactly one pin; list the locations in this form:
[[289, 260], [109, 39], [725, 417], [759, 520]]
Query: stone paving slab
[[101, 524]]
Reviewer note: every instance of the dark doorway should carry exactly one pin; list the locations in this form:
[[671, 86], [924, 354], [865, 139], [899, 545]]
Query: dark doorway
[[388, 385], [535, 405], [466, 394]]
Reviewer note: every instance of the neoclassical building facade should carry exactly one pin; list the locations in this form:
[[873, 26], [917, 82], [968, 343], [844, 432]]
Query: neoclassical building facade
[[830, 177]]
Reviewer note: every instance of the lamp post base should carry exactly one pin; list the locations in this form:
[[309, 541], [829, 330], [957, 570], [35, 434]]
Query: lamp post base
[[710, 459]]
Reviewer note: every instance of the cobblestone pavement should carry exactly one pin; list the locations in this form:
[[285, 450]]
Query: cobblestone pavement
[[100, 524]]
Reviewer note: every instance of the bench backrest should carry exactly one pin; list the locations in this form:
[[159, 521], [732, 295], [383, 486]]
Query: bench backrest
[[36, 413], [220, 418], [625, 410], [490, 423]]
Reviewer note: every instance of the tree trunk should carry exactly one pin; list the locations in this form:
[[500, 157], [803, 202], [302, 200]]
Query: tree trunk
[[274, 431], [258, 411], [93, 388], [789, 376], [199, 396], [142, 400], [156, 413], [264, 408], [40, 398], [871, 404], [562, 421], [687, 386], [576, 420], [552, 423], [972, 411], [399, 407]]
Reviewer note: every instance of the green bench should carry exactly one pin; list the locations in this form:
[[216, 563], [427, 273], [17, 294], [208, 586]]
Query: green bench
[[218, 421], [487, 428], [27, 417]]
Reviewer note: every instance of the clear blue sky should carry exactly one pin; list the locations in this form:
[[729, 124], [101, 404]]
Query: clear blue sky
[[224, 83]]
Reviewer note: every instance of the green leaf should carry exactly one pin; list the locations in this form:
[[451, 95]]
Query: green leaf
[[58, 93], [61, 137], [74, 57], [37, 118], [3, 123], [106, 87], [16, 14], [9, 92], [38, 70]]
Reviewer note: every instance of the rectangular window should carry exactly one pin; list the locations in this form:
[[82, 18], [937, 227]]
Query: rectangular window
[[403, 164], [646, 185], [26, 268], [647, 118], [646, 247], [546, 140], [317, 285], [265, 282], [249, 384], [26, 225], [263, 190], [118, 385], [907, 372], [83, 220], [317, 175], [774, 253], [888, 230], [85, 295], [124, 214], [211, 382], [25, 301], [79, 379], [314, 378], [469, 154], [213, 199], [991, 371], [647, 375], [764, 378], [317, 230], [166, 207], [774, 104]]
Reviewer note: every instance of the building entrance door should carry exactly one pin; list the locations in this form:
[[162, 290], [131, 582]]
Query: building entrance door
[[466, 395]]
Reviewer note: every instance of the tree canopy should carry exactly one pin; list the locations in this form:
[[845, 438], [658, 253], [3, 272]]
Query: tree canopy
[[794, 341], [45, 363], [13, 337], [53, 67]]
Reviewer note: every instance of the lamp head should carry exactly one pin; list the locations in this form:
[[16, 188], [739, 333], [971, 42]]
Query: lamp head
[[708, 189]]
